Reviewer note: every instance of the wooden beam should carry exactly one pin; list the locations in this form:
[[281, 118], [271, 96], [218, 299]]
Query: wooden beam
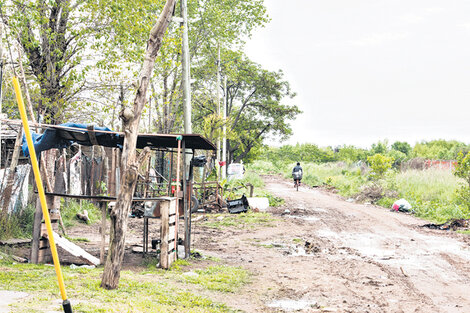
[[75, 250]]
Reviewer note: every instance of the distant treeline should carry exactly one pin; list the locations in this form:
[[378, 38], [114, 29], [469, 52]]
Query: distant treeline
[[399, 151]]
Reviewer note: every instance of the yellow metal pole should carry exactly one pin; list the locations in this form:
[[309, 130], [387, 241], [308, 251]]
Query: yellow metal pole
[[34, 162]]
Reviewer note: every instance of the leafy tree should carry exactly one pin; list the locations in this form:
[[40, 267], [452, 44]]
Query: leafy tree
[[379, 164], [255, 106], [381, 147], [402, 146], [350, 154], [462, 170], [439, 149], [397, 156], [54, 36]]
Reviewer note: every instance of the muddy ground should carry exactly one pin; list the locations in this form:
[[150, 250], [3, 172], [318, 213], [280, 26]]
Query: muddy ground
[[330, 255], [359, 258]]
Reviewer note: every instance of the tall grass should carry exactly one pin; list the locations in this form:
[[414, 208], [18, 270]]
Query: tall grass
[[345, 178], [428, 185], [18, 224], [432, 192], [263, 167], [70, 209]]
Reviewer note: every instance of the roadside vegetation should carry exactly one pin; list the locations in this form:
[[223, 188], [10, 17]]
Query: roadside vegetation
[[384, 173], [149, 290], [249, 219]]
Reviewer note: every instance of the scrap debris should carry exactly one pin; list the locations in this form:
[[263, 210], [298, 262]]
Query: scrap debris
[[454, 224], [84, 217]]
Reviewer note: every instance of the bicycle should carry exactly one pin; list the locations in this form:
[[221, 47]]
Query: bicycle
[[297, 177], [296, 184]]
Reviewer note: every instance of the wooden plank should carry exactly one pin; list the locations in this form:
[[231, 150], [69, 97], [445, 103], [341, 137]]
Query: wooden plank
[[171, 257], [164, 232], [172, 220], [44, 251], [75, 250], [171, 233], [36, 233], [14, 242]]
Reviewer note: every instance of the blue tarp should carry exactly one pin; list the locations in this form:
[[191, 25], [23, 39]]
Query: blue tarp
[[51, 138]]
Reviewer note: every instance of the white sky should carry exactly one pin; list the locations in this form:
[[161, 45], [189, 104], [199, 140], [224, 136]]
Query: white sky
[[369, 70]]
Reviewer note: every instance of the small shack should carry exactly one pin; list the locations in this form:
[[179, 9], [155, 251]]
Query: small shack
[[86, 166]]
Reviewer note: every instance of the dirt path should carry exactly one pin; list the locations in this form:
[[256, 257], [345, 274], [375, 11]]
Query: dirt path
[[329, 255]]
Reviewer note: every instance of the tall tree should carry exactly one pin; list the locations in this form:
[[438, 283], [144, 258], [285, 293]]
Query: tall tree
[[71, 44], [53, 43], [129, 161], [257, 104]]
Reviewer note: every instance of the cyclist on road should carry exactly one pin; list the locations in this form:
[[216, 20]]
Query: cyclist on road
[[297, 173]]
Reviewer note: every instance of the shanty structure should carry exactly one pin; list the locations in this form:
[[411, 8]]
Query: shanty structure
[[98, 150]]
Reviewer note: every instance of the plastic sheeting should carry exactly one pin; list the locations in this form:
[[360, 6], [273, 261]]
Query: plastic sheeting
[[51, 138]]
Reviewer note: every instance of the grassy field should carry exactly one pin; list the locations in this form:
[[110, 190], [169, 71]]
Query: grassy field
[[146, 290]]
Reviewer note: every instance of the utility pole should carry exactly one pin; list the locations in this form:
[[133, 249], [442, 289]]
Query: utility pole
[[187, 126], [224, 140], [218, 107], [186, 69]]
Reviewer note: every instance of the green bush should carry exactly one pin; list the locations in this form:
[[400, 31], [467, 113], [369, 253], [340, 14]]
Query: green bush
[[379, 164], [18, 224], [69, 210]]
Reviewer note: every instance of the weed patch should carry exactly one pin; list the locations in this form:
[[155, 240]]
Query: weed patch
[[70, 209], [243, 220], [135, 294], [18, 224], [220, 278]]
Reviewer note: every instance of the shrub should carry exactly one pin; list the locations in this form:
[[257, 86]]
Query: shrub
[[70, 209], [379, 164], [462, 170]]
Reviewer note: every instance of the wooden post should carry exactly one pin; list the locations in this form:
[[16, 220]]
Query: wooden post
[[103, 206], [204, 187], [112, 176], [187, 214], [169, 220], [147, 178], [36, 233], [170, 174]]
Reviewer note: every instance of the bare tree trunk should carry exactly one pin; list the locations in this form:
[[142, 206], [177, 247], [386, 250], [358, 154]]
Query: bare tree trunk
[[129, 164]]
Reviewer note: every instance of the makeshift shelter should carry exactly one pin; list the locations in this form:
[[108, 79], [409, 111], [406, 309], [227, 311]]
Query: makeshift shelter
[[102, 166]]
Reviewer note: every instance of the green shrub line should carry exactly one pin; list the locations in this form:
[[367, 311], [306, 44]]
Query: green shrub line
[[433, 193]]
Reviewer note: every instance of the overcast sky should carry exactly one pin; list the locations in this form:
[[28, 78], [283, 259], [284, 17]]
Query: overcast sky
[[369, 70]]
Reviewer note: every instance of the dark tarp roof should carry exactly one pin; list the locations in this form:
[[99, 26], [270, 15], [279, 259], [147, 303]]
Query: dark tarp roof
[[60, 136]]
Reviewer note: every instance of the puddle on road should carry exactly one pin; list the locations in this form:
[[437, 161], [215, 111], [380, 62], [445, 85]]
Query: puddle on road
[[292, 305], [307, 249], [305, 218], [410, 250], [328, 233]]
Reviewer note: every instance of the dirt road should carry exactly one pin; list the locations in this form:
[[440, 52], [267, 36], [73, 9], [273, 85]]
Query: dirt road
[[329, 255]]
